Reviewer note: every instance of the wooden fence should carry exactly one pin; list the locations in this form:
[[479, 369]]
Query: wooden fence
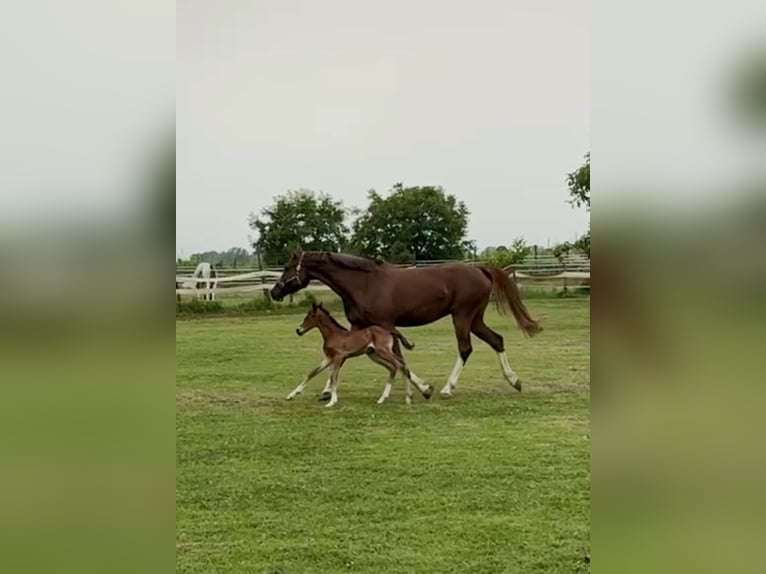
[[570, 274]]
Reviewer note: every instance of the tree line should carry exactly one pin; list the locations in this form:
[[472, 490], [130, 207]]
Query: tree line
[[408, 224]]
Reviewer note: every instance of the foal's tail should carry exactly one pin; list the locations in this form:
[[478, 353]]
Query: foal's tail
[[508, 299], [405, 342]]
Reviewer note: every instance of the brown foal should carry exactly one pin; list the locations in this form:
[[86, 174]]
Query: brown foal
[[341, 344]]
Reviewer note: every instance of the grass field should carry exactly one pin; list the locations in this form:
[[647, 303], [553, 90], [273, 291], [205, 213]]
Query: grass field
[[488, 481]]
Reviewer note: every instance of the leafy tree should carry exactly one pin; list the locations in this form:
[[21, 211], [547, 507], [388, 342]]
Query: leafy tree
[[469, 249], [561, 250], [233, 257], [299, 219], [583, 243], [579, 191], [579, 185], [412, 223], [504, 256]]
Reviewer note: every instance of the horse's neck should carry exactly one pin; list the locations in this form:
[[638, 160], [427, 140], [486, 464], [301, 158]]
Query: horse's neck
[[327, 327], [345, 282]]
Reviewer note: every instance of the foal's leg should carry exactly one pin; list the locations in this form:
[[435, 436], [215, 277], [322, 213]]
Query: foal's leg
[[420, 383], [399, 364], [495, 340], [375, 358], [425, 390], [391, 376], [334, 384], [463, 333], [325, 394], [313, 373]]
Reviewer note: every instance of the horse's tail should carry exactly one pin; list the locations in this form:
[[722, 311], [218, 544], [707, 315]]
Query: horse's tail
[[405, 342], [508, 299]]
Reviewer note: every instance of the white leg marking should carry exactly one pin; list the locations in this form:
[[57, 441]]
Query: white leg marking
[[326, 388], [417, 380], [299, 389], [386, 391], [333, 390], [419, 383], [453, 377], [510, 376]]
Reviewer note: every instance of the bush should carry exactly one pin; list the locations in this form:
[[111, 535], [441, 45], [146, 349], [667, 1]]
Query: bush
[[308, 299], [258, 305], [198, 306], [504, 256]]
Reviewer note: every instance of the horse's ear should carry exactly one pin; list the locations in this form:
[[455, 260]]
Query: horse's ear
[[314, 306]]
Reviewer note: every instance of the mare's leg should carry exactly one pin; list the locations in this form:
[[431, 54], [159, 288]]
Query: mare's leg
[[495, 340], [462, 325], [313, 373]]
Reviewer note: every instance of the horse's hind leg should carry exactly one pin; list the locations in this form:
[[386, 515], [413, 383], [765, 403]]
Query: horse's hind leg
[[463, 334], [396, 364], [419, 383], [391, 376], [325, 394], [425, 390], [495, 340]]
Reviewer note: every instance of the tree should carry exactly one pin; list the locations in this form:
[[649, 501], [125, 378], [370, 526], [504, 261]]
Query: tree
[[583, 243], [579, 191], [232, 257], [561, 251], [302, 219], [412, 223], [579, 185], [504, 256]]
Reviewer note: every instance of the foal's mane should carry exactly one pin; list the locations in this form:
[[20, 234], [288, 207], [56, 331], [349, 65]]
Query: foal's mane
[[326, 313], [352, 261]]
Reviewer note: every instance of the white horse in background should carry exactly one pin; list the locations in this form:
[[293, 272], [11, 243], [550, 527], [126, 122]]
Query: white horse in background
[[203, 271]]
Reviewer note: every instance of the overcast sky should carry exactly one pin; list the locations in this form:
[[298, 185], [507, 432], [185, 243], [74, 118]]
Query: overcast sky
[[489, 99]]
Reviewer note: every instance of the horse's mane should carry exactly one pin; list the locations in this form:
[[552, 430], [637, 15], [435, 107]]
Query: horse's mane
[[353, 261], [331, 318]]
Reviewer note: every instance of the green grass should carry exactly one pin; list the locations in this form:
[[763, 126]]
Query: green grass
[[489, 481]]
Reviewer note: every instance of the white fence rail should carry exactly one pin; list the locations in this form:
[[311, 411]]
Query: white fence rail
[[260, 281]]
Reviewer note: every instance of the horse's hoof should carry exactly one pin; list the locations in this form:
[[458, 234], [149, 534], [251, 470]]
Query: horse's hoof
[[325, 396], [446, 394], [517, 385], [429, 392]]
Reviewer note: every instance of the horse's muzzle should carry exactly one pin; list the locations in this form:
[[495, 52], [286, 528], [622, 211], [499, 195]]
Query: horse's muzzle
[[299, 332], [276, 293]]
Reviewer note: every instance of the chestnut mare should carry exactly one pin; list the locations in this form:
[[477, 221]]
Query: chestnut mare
[[377, 293]]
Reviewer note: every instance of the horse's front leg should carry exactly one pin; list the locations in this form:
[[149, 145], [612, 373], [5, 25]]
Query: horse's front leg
[[313, 373]]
